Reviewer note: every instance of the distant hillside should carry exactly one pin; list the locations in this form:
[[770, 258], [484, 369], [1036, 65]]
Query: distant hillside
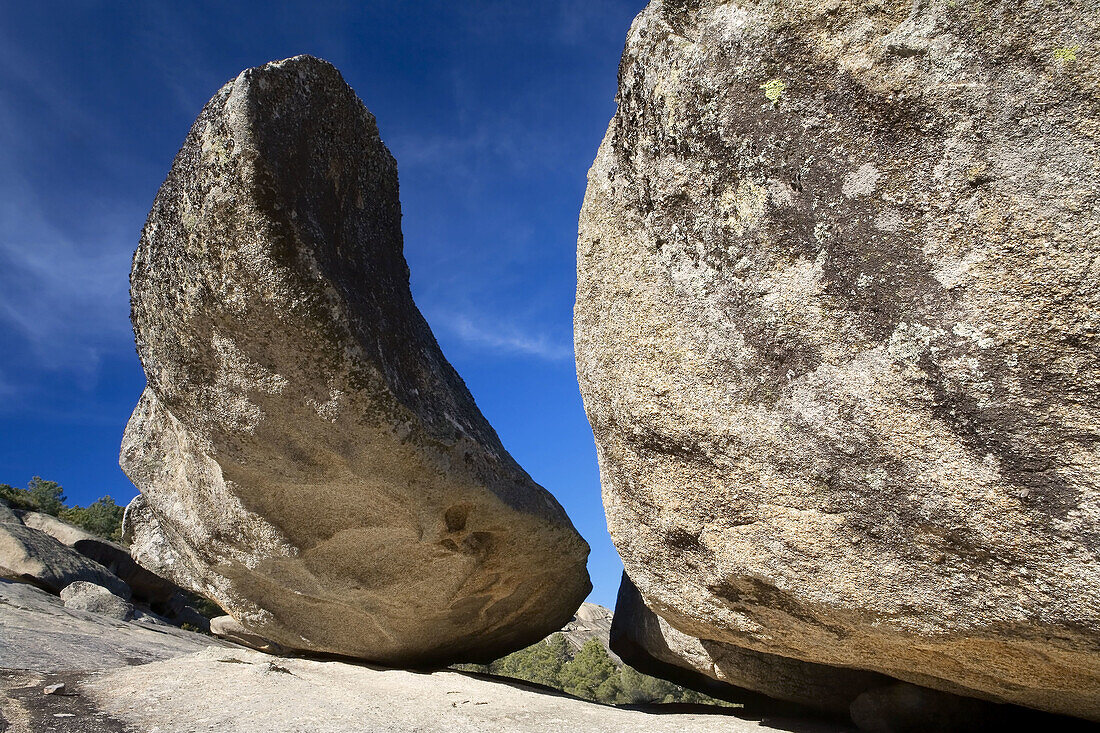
[[590, 622]]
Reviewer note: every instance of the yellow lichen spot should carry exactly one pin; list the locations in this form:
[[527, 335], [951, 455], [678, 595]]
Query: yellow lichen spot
[[774, 88], [1066, 54]]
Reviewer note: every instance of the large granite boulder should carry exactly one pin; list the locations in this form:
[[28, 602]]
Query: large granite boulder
[[307, 457], [30, 556], [838, 336]]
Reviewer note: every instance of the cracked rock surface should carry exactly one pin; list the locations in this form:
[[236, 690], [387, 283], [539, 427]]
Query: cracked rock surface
[[837, 334], [306, 456]]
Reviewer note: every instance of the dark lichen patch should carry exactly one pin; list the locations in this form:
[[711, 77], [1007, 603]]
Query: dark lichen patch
[[1027, 444], [760, 144]]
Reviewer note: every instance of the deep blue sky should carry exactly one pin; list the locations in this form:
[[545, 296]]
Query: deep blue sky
[[494, 111]]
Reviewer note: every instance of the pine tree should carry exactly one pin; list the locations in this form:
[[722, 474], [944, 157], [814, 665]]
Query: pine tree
[[46, 495], [591, 674], [540, 663], [102, 517]]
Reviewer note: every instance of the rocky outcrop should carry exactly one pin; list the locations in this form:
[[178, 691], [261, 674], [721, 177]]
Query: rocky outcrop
[[161, 595], [31, 556], [591, 621], [7, 516], [37, 632], [307, 457], [230, 629], [84, 596], [248, 692], [836, 335]]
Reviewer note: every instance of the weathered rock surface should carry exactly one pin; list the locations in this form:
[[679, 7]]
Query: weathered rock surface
[[307, 456], [837, 334], [648, 643], [210, 684], [38, 633], [162, 595], [229, 628], [31, 556], [84, 596], [7, 516], [906, 708]]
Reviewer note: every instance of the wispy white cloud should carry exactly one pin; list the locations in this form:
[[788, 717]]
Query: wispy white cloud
[[504, 339], [64, 294], [63, 263]]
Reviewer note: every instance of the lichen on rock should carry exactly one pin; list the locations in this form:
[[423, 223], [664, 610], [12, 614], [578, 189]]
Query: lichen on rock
[[856, 424]]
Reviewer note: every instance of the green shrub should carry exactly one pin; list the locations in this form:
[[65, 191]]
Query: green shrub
[[589, 673], [592, 674], [47, 495], [17, 498], [540, 663], [102, 517]]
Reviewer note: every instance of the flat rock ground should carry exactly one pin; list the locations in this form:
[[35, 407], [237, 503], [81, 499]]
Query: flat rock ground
[[126, 677]]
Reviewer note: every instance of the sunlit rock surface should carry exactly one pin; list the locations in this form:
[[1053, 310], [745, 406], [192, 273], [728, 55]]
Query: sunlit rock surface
[[838, 335], [307, 457]]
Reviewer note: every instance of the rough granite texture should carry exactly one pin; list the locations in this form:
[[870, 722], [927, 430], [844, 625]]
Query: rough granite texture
[[7, 516], [162, 595], [37, 632], [85, 596], [307, 457], [591, 621], [242, 691], [228, 628], [838, 335]]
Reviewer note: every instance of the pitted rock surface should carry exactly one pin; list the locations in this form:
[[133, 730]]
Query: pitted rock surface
[[307, 457], [838, 335]]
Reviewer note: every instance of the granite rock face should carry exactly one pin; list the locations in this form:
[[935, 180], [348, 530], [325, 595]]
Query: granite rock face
[[307, 457], [7, 516], [37, 632], [838, 336], [591, 621], [162, 595]]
